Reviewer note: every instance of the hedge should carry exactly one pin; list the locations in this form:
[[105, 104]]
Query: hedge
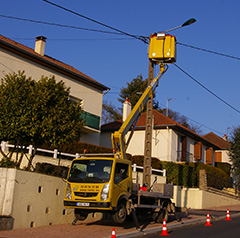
[[79, 147], [187, 174], [50, 169]]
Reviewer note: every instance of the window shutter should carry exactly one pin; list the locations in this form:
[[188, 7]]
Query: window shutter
[[198, 151]]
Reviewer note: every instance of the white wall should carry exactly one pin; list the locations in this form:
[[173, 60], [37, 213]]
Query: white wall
[[225, 156], [199, 199], [32, 199], [164, 144], [105, 139], [136, 145]]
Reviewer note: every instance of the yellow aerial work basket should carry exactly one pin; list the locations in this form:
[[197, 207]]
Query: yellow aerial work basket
[[162, 48]]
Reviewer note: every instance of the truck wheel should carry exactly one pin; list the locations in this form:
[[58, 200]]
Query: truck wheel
[[80, 214], [120, 215], [162, 214]]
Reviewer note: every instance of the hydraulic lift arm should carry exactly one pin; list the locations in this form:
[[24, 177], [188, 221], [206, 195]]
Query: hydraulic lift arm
[[118, 137]]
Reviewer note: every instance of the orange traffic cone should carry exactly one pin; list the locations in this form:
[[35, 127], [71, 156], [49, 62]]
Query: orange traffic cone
[[208, 223], [228, 216], [164, 229], [113, 233]]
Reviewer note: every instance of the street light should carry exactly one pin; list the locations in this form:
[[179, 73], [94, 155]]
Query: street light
[[186, 23], [162, 45]]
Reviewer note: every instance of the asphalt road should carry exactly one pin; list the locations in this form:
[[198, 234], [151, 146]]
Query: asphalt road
[[220, 229]]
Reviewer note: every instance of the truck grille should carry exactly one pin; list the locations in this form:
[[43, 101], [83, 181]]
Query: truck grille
[[85, 195]]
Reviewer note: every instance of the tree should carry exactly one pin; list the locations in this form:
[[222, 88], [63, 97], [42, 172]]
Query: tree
[[134, 90], [110, 113], [36, 112], [181, 119], [234, 154]]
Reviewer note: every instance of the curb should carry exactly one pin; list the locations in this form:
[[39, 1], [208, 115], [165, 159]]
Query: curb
[[170, 226]]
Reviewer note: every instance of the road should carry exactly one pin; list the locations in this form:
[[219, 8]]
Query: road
[[219, 229]]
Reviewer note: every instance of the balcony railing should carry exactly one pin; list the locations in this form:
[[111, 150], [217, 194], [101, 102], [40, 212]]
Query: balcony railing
[[91, 120]]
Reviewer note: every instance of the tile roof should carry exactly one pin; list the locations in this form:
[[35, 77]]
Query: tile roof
[[49, 62], [112, 126], [217, 140], [160, 121]]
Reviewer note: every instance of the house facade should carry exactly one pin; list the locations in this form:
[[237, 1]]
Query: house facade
[[15, 56], [170, 140], [221, 155]]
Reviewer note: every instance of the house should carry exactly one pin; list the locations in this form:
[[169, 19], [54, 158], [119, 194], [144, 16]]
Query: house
[[170, 140], [15, 56], [221, 155]]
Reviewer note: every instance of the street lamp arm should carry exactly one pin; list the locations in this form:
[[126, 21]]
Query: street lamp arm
[[186, 23]]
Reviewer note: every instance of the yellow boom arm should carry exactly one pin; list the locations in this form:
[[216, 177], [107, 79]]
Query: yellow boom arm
[[118, 137]]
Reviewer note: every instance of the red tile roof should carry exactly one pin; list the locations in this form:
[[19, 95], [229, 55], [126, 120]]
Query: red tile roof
[[49, 62], [217, 140], [160, 121]]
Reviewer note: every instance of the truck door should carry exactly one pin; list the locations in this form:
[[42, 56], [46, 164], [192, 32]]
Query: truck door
[[122, 183]]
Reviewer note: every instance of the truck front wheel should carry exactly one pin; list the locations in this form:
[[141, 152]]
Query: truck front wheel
[[119, 216], [80, 214]]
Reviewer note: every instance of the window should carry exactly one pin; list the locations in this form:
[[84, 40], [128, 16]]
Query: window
[[121, 172], [90, 170], [77, 100]]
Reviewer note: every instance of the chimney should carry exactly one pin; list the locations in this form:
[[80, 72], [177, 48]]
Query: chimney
[[40, 44], [127, 107], [225, 137]]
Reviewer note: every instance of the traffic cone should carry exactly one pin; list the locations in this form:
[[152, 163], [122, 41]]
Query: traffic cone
[[113, 233], [208, 223], [228, 216], [164, 229]]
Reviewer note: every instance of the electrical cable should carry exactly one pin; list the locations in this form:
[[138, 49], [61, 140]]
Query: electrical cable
[[209, 51], [89, 39], [200, 124], [206, 88], [60, 25], [141, 38]]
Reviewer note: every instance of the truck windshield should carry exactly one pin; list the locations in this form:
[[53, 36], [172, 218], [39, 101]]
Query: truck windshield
[[90, 171]]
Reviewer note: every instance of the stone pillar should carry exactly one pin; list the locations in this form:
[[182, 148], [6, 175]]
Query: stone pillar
[[202, 179]]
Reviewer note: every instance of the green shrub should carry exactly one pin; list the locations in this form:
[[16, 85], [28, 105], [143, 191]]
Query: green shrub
[[78, 147], [53, 170], [226, 167], [8, 163]]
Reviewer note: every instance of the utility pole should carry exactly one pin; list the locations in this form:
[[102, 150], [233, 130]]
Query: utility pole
[[148, 132], [161, 51]]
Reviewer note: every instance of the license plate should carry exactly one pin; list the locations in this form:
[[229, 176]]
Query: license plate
[[82, 204]]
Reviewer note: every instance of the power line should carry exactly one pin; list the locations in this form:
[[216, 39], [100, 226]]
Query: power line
[[141, 38], [209, 51], [200, 124], [86, 39], [59, 25], [207, 89]]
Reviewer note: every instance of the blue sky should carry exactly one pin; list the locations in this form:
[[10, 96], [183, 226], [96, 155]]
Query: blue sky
[[114, 62]]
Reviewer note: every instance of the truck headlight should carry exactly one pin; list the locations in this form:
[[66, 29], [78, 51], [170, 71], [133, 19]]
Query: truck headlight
[[105, 191], [69, 191]]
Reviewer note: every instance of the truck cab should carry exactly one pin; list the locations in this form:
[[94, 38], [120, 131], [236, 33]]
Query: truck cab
[[99, 185]]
